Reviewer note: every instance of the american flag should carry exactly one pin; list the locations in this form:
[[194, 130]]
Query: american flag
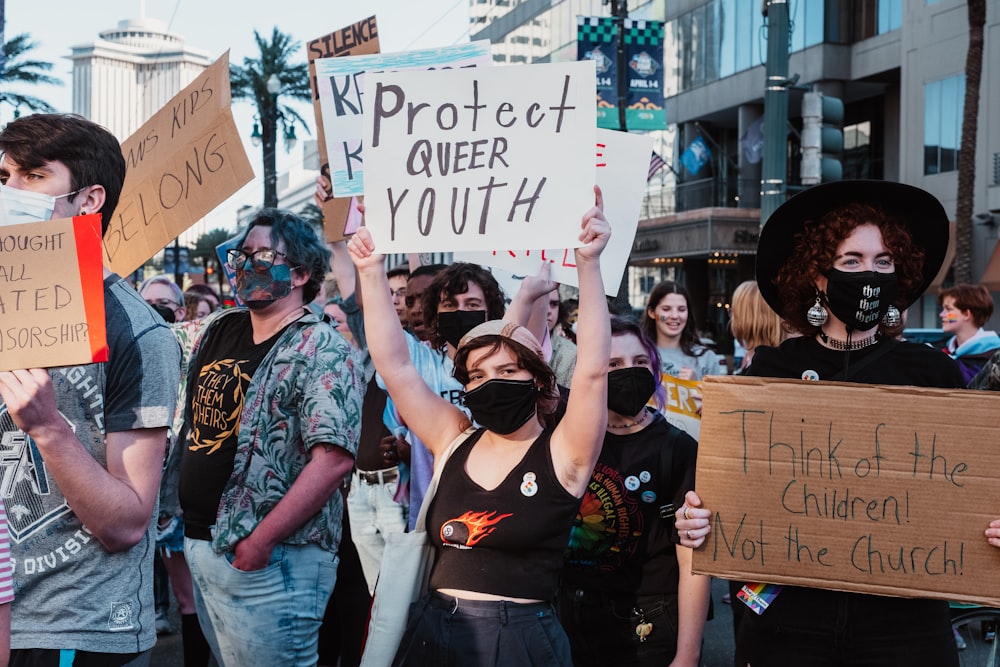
[[656, 163]]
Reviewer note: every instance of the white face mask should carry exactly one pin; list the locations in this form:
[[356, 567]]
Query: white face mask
[[20, 206]]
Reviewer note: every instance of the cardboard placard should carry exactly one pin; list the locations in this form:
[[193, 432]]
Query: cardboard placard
[[52, 294], [865, 488], [622, 178], [183, 162], [356, 39], [342, 93], [473, 159]]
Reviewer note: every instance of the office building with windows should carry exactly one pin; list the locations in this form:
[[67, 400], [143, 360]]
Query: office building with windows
[[130, 72], [898, 66]]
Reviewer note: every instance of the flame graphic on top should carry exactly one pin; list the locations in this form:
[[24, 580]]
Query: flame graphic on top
[[480, 524]]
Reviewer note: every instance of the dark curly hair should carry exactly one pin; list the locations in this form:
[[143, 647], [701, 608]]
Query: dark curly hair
[[305, 247], [815, 250], [455, 280], [690, 343], [548, 393]]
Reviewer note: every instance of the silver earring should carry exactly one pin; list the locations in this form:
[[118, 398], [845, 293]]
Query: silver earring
[[817, 315], [892, 317]]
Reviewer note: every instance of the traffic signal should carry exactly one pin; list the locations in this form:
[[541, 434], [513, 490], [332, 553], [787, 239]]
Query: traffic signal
[[822, 138]]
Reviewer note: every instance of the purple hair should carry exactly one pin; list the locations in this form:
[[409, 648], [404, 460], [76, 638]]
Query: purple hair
[[625, 326]]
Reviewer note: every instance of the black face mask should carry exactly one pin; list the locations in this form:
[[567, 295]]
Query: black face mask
[[502, 406], [860, 300], [629, 390], [455, 324]]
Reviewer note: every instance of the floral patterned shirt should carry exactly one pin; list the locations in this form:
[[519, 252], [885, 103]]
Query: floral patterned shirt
[[307, 391]]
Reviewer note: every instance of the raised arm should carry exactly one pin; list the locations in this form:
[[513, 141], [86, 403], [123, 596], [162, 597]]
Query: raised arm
[[435, 421], [528, 307], [577, 440]]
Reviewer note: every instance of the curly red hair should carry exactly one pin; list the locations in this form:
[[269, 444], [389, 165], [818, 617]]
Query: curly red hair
[[816, 247]]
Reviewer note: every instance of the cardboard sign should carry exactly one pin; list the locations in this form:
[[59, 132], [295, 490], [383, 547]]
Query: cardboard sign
[[622, 178], [357, 39], [852, 487], [341, 83], [52, 294], [182, 163], [471, 159]]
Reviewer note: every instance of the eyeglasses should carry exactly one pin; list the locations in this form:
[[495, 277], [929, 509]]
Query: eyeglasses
[[165, 303], [400, 293], [411, 300], [261, 260]]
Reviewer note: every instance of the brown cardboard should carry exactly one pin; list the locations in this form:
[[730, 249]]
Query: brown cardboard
[[920, 469], [358, 39], [182, 163], [51, 294]]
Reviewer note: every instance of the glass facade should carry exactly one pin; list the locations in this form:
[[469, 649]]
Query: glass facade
[[943, 102], [724, 37]]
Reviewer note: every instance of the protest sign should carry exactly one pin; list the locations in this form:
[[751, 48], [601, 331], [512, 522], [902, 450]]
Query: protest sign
[[182, 163], [356, 39], [472, 159], [341, 83], [52, 294], [865, 488], [683, 408], [621, 175]]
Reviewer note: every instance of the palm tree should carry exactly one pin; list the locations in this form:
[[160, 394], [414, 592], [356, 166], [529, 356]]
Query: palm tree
[[262, 81], [17, 69], [967, 148]]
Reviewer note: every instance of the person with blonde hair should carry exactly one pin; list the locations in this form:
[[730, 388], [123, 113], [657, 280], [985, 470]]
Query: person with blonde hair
[[752, 321]]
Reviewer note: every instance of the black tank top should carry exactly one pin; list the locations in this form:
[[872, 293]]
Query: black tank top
[[508, 541]]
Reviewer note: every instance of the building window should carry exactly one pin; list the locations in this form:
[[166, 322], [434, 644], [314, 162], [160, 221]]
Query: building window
[[876, 17], [943, 102]]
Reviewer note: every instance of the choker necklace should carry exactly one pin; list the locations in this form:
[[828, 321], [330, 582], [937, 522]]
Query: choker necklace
[[640, 420], [848, 345]]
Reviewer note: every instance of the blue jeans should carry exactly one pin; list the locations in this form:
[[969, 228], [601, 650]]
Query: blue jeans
[[269, 616], [374, 514]]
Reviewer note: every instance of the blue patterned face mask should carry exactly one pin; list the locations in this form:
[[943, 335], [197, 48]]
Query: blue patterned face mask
[[258, 289]]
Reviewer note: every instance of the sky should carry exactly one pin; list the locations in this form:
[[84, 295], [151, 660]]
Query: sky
[[217, 25]]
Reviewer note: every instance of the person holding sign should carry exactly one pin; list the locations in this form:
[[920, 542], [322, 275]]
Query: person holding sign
[[501, 517], [840, 262], [84, 444], [627, 595], [272, 423]]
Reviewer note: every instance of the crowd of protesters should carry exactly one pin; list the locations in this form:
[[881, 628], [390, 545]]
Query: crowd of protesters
[[264, 453]]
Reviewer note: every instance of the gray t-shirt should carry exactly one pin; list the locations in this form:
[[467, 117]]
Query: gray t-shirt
[[706, 363], [71, 593]]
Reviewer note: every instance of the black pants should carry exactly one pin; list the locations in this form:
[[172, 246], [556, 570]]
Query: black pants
[[449, 632], [820, 628], [602, 629]]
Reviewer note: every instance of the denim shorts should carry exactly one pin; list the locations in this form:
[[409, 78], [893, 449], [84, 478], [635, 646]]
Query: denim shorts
[[445, 631], [170, 537]]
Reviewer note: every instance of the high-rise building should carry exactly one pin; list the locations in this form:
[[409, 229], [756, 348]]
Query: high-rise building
[[898, 67], [130, 72]]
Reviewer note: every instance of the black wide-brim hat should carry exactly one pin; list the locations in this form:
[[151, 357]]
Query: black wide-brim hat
[[918, 210]]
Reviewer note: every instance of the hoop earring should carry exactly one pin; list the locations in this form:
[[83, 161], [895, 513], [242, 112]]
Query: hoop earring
[[892, 317], [817, 315]]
